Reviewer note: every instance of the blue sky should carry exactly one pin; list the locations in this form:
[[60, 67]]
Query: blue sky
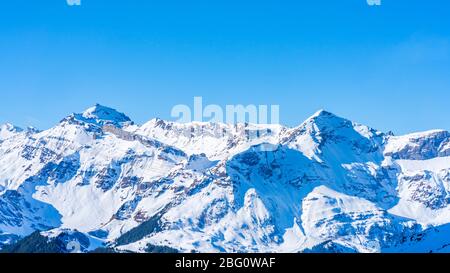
[[387, 67]]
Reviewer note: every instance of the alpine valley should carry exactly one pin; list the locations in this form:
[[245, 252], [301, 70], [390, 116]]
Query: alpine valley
[[96, 182]]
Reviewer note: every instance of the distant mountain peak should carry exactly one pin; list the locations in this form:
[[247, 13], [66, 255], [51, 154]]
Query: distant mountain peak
[[323, 120], [101, 112], [322, 113], [325, 115], [10, 128], [102, 115]]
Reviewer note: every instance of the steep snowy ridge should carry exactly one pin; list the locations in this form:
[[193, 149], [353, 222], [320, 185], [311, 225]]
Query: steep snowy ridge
[[328, 185]]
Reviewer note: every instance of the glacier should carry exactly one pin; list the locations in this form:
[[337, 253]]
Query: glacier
[[328, 185]]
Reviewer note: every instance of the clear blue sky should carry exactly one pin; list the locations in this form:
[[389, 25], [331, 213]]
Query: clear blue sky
[[387, 67]]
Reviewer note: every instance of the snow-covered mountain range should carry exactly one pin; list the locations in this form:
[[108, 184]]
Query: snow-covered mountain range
[[328, 185]]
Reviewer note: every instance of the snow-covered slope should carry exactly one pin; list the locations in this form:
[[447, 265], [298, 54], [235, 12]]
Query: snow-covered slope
[[328, 185], [215, 140]]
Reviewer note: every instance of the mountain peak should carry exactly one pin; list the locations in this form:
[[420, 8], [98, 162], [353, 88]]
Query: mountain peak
[[100, 111], [10, 127], [323, 114], [7, 130], [326, 119], [103, 115]]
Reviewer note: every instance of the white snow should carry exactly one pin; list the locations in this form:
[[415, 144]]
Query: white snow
[[224, 188]]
